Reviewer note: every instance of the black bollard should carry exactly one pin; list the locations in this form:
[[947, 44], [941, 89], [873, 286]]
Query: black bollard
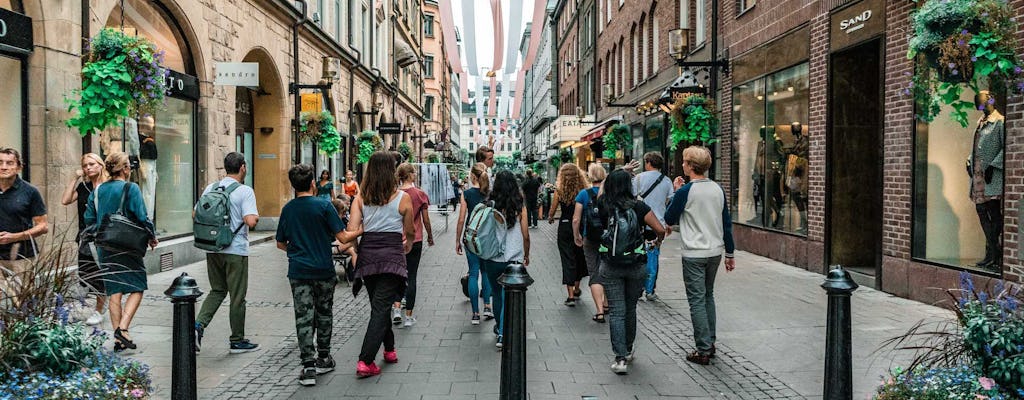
[[838, 347], [515, 280], [183, 293]]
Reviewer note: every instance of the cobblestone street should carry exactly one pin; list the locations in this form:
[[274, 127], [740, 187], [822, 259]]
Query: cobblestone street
[[770, 333]]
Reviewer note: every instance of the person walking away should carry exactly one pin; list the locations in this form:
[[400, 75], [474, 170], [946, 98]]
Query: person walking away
[[655, 189], [622, 272], [574, 265], [457, 190], [125, 272], [588, 237], [700, 208], [305, 230], [385, 217], [480, 185], [420, 205], [228, 269], [351, 187], [530, 188], [545, 197], [81, 185], [508, 200], [325, 188]]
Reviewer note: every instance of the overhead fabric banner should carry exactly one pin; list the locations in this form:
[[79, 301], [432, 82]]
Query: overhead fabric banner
[[520, 86], [451, 47], [499, 34], [479, 97], [539, 8], [469, 21], [515, 31], [493, 98]]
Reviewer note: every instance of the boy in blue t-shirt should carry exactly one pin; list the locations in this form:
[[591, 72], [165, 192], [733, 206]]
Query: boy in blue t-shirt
[[307, 227]]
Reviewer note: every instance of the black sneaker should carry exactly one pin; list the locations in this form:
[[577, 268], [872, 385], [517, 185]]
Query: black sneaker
[[571, 302], [308, 376], [324, 365], [243, 346], [199, 336]]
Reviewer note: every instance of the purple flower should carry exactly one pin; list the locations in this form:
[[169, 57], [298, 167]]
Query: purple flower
[[907, 73], [981, 108], [1017, 70], [906, 92], [963, 32], [991, 101], [1020, 86], [960, 42], [954, 72], [952, 65], [974, 59]]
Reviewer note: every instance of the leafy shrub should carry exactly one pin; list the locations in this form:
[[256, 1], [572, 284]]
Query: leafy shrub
[[52, 347], [618, 137], [106, 376], [939, 384], [993, 331]]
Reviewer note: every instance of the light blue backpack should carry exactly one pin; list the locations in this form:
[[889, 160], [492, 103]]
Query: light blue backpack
[[485, 232]]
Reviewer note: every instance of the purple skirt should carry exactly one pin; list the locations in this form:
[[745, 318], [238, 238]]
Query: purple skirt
[[381, 253]]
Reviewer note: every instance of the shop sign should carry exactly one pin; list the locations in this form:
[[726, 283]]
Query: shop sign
[[857, 23], [567, 128], [15, 32], [237, 74], [312, 103], [182, 85]]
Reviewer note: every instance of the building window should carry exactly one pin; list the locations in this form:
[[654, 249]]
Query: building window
[[744, 5], [657, 44], [948, 200], [684, 14], [428, 25], [701, 22], [11, 129], [428, 67], [428, 108], [320, 13], [770, 166], [337, 20], [645, 50], [636, 57], [470, 133]]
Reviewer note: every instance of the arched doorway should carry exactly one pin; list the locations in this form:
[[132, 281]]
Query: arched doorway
[[266, 153]]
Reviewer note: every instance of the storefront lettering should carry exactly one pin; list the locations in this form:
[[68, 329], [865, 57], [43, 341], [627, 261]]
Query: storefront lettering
[[3, 28], [856, 23], [243, 108], [15, 32], [174, 84]]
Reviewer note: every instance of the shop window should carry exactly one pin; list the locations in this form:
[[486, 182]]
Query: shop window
[[770, 167], [11, 104], [957, 219]]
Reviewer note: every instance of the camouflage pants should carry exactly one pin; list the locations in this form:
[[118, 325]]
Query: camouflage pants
[[314, 305]]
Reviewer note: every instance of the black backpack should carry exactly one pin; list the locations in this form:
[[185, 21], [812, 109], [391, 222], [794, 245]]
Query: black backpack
[[593, 228], [622, 244]]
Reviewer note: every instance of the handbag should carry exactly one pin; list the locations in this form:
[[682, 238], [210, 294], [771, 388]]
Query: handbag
[[118, 233]]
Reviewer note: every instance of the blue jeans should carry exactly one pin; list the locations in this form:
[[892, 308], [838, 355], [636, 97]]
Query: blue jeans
[[623, 287], [699, 277], [652, 269], [474, 283], [492, 270]]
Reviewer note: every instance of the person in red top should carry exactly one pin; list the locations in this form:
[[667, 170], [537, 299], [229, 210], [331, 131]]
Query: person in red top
[[420, 203]]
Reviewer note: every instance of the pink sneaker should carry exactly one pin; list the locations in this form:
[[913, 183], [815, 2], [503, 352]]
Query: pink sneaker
[[390, 357], [364, 370]]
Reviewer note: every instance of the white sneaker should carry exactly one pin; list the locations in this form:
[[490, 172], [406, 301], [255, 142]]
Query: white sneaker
[[620, 367], [396, 316], [630, 357], [94, 319], [409, 321]]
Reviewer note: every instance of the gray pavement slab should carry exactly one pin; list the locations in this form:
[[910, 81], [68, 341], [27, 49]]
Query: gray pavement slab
[[770, 336]]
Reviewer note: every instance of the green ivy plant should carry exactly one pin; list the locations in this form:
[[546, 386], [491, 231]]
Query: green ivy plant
[[694, 122], [433, 158], [617, 138], [566, 156], [320, 127], [406, 151], [367, 143], [516, 155], [961, 44], [122, 77]]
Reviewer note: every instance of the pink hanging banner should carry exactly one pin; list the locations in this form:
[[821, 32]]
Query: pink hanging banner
[[520, 86], [464, 87], [451, 47], [492, 102], [499, 40], [539, 8]]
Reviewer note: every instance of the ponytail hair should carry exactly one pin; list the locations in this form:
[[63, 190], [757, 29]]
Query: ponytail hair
[[483, 181], [115, 164]]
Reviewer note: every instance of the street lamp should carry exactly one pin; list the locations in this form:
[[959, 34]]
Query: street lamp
[[679, 43]]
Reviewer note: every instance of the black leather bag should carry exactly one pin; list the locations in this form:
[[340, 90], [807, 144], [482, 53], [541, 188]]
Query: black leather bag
[[118, 233]]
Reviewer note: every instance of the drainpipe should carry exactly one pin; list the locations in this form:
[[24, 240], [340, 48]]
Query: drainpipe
[[87, 139], [297, 147]]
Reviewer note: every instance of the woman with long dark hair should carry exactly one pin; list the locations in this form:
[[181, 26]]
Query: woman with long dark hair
[[508, 200], [124, 272], [325, 187], [386, 216], [623, 284], [480, 188], [574, 265]]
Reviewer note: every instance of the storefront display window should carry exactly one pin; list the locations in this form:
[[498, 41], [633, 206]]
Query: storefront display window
[[770, 165], [958, 187], [175, 168], [11, 104]]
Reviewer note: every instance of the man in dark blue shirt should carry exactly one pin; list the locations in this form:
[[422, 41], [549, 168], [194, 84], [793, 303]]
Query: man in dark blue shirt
[[306, 229], [22, 216]]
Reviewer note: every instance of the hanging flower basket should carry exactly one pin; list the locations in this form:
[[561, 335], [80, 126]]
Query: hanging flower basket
[[406, 151], [694, 120], [368, 142], [617, 138], [962, 44], [121, 78], [319, 127]]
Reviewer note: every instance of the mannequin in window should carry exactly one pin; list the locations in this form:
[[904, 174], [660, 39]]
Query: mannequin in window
[[147, 163], [792, 145], [124, 138], [757, 190], [985, 166]]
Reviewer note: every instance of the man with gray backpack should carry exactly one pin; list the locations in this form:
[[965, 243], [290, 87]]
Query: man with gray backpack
[[221, 222]]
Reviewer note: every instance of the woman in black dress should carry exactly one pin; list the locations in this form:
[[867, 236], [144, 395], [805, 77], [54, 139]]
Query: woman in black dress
[[574, 266], [78, 190]]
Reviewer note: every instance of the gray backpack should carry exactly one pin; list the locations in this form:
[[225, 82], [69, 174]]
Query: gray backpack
[[211, 224]]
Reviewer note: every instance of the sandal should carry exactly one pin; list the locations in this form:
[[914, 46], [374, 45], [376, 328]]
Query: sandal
[[599, 318], [698, 358]]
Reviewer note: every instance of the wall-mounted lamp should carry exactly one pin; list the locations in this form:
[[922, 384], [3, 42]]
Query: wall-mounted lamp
[[679, 43], [266, 130]]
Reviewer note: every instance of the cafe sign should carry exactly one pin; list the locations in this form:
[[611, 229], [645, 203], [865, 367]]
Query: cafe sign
[[15, 32]]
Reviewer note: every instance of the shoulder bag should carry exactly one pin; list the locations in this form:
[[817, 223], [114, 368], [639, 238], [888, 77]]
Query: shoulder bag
[[118, 233]]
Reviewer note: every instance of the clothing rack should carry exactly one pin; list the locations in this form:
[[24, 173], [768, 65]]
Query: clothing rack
[[435, 181]]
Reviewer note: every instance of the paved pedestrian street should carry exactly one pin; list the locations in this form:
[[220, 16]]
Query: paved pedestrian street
[[771, 335]]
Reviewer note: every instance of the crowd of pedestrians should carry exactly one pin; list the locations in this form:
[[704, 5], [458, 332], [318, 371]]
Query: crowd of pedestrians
[[611, 225]]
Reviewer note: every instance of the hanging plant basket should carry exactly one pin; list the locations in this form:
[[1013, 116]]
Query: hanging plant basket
[[406, 151], [368, 142], [617, 138], [433, 158], [319, 127], [122, 77], [694, 121], [961, 45]]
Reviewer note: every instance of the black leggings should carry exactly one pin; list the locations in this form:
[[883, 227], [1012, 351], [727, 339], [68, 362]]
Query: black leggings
[[412, 262], [382, 289]]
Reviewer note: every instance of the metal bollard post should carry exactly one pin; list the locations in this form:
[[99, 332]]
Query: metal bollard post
[[838, 348], [515, 280], [183, 293]]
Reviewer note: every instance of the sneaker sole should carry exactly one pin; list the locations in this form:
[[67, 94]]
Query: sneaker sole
[[237, 351], [475, 322], [307, 382], [362, 375], [321, 371], [620, 372]]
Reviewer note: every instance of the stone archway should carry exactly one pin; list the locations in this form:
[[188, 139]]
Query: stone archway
[[270, 139]]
